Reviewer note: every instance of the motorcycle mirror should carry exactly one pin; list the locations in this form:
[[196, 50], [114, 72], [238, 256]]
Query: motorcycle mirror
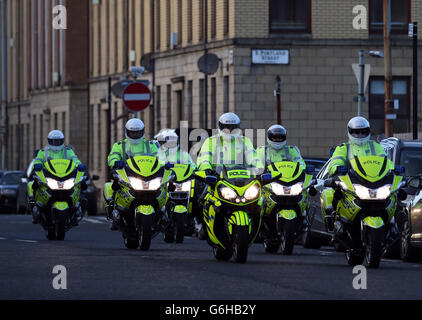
[[342, 170], [332, 151], [38, 167], [169, 166], [211, 180], [399, 170], [402, 195], [310, 169], [414, 183], [312, 192], [266, 177]]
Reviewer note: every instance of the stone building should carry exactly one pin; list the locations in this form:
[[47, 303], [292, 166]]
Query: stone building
[[317, 83]]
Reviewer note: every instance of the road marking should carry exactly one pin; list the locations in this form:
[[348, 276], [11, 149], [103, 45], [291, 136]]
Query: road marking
[[28, 241], [93, 221], [3, 238], [325, 253]]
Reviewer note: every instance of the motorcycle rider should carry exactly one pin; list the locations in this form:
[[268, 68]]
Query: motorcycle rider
[[55, 149], [359, 144], [277, 150], [135, 144], [228, 147], [170, 151]]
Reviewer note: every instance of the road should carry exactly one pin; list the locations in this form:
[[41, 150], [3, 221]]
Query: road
[[98, 266]]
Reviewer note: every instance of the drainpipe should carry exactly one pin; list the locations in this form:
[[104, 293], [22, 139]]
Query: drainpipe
[[4, 82]]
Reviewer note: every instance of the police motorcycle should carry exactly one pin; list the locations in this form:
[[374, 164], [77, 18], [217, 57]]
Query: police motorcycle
[[232, 209], [57, 186], [137, 198], [286, 205], [179, 206], [366, 197]]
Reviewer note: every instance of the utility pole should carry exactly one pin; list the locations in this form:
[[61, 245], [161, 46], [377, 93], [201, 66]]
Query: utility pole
[[415, 80], [4, 83], [277, 93], [361, 93], [388, 110]]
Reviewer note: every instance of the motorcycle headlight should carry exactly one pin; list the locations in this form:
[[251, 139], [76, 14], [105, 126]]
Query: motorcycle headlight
[[277, 189], [155, 184], [186, 186], [252, 193], [228, 193], [372, 194], [58, 185], [384, 192], [362, 192], [136, 184], [281, 190], [296, 189]]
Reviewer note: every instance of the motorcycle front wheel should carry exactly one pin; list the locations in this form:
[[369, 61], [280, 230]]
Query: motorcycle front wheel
[[240, 244], [288, 231], [180, 227], [373, 248], [146, 232]]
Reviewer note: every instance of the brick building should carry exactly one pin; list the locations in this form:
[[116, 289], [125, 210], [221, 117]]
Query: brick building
[[318, 84]]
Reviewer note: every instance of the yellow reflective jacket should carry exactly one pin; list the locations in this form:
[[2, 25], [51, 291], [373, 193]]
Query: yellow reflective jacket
[[123, 150], [267, 154], [47, 154]]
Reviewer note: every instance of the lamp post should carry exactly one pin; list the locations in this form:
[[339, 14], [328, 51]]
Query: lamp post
[[361, 92]]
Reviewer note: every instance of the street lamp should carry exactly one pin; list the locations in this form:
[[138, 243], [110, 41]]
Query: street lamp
[[361, 93]]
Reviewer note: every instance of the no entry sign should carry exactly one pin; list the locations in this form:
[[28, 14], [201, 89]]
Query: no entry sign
[[137, 97]]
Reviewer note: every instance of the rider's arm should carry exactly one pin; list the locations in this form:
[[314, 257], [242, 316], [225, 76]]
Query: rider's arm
[[116, 154], [252, 156], [39, 157], [296, 157], [72, 156], [205, 156], [339, 158]]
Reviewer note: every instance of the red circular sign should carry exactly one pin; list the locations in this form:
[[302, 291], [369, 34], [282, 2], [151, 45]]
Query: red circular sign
[[137, 97]]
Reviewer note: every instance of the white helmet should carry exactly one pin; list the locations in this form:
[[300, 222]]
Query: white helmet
[[56, 140], [135, 131], [229, 126], [359, 131], [167, 138], [276, 136]]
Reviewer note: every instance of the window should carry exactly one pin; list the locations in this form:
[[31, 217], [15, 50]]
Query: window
[[226, 93], [213, 103], [400, 16], [202, 103], [158, 107], [190, 101], [226, 17], [213, 19], [190, 21], [376, 104], [290, 16]]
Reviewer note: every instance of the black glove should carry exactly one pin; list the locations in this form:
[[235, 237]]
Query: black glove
[[119, 165], [81, 167], [211, 172]]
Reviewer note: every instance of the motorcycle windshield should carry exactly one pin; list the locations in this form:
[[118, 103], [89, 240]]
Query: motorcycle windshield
[[238, 175], [290, 171], [144, 166], [183, 172], [60, 168], [370, 168]]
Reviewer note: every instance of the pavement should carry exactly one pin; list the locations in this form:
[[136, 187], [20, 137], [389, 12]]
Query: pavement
[[98, 266]]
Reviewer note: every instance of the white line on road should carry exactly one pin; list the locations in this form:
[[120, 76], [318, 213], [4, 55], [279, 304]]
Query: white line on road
[[28, 241], [3, 238], [93, 221]]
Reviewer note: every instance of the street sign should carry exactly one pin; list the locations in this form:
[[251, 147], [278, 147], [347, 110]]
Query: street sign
[[137, 97], [270, 56], [391, 116], [356, 70], [117, 89]]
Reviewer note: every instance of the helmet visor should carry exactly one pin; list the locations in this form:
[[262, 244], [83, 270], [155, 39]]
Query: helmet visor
[[228, 128], [135, 134], [55, 142], [277, 136], [359, 133]]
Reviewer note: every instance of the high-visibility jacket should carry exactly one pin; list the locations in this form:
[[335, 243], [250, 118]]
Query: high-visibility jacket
[[347, 151], [268, 154], [218, 151], [47, 154], [174, 155], [124, 150]]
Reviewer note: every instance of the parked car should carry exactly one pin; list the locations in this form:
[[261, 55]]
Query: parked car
[[10, 182], [317, 163]]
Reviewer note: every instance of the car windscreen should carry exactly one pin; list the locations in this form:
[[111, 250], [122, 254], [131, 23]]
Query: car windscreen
[[411, 160], [11, 179]]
